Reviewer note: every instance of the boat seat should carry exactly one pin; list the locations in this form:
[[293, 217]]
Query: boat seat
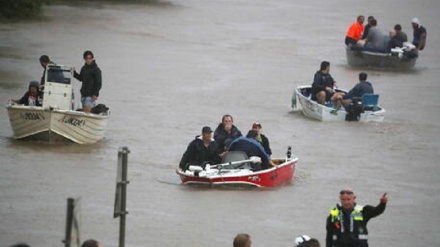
[[236, 156], [370, 101]]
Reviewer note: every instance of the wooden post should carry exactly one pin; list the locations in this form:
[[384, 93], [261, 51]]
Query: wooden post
[[72, 237], [121, 193], [69, 220]]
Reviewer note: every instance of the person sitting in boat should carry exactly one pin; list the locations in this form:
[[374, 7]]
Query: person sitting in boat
[[367, 27], [262, 138], [420, 34], [361, 88], [323, 87], [400, 35], [252, 147], [376, 40], [397, 38], [354, 32], [225, 133], [203, 149], [33, 97]]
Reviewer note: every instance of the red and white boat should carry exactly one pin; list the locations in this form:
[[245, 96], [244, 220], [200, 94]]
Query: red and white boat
[[239, 173]]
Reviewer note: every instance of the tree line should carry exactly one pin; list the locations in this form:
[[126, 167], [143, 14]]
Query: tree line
[[28, 9]]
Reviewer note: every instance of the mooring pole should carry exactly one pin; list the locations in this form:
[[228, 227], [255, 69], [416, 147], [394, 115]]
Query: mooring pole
[[121, 192], [69, 221]]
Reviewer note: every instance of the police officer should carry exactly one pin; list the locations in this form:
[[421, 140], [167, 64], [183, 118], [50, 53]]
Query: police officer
[[347, 223]]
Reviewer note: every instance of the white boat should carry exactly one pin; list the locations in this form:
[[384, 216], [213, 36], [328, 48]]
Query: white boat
[[301, 100], [56, 119], [397, 58]]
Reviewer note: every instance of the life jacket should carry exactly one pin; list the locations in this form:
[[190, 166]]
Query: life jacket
[[357, 232]]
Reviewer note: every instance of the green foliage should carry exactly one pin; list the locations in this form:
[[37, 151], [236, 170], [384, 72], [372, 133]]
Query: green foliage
[[20, 9]]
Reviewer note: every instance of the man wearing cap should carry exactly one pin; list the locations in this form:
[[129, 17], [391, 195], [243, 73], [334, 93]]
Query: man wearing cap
[[262, 138], [203, 149], [347, 223], [420, 34]]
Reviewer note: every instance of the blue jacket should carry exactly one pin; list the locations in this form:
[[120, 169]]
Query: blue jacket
[[252, 148], [359, 90]]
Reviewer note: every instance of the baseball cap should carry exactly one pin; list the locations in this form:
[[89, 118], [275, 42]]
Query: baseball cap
[[256, 125], [301, 239], [416, 20], [206, 129]]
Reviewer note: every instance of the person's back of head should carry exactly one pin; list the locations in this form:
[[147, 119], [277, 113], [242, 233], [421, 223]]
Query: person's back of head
[[20, 245], [373, 22], [90, 243], [252, 134], [363, 76], [313, 242], [398, 27], [44, 59], [242, 240]]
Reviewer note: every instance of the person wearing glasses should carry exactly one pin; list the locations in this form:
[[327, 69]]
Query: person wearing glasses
[[347, 223], [90, 76]]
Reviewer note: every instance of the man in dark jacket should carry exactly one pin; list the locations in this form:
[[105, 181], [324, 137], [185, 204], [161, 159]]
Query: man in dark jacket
[[90, 76], [225, 133], [252, 147], [44, 61], [361, 88], [323, 87], [202, 149], [347, 223]]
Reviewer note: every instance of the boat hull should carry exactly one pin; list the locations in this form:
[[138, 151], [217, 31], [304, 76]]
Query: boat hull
[[320, 112], [56, 125], [359, 58], [272, 177]]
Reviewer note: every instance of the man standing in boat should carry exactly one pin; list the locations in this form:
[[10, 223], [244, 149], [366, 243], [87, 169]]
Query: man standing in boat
[[44, 61], [420, 34], [347, 223], [90, 76], [203, 149]]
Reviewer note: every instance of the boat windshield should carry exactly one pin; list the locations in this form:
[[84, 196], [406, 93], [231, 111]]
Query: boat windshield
[[59, 74]]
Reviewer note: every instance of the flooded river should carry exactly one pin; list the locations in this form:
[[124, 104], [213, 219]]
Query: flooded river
[[172, 67]]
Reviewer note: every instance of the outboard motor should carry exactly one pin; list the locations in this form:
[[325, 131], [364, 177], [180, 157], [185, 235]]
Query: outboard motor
[[354, 110]]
